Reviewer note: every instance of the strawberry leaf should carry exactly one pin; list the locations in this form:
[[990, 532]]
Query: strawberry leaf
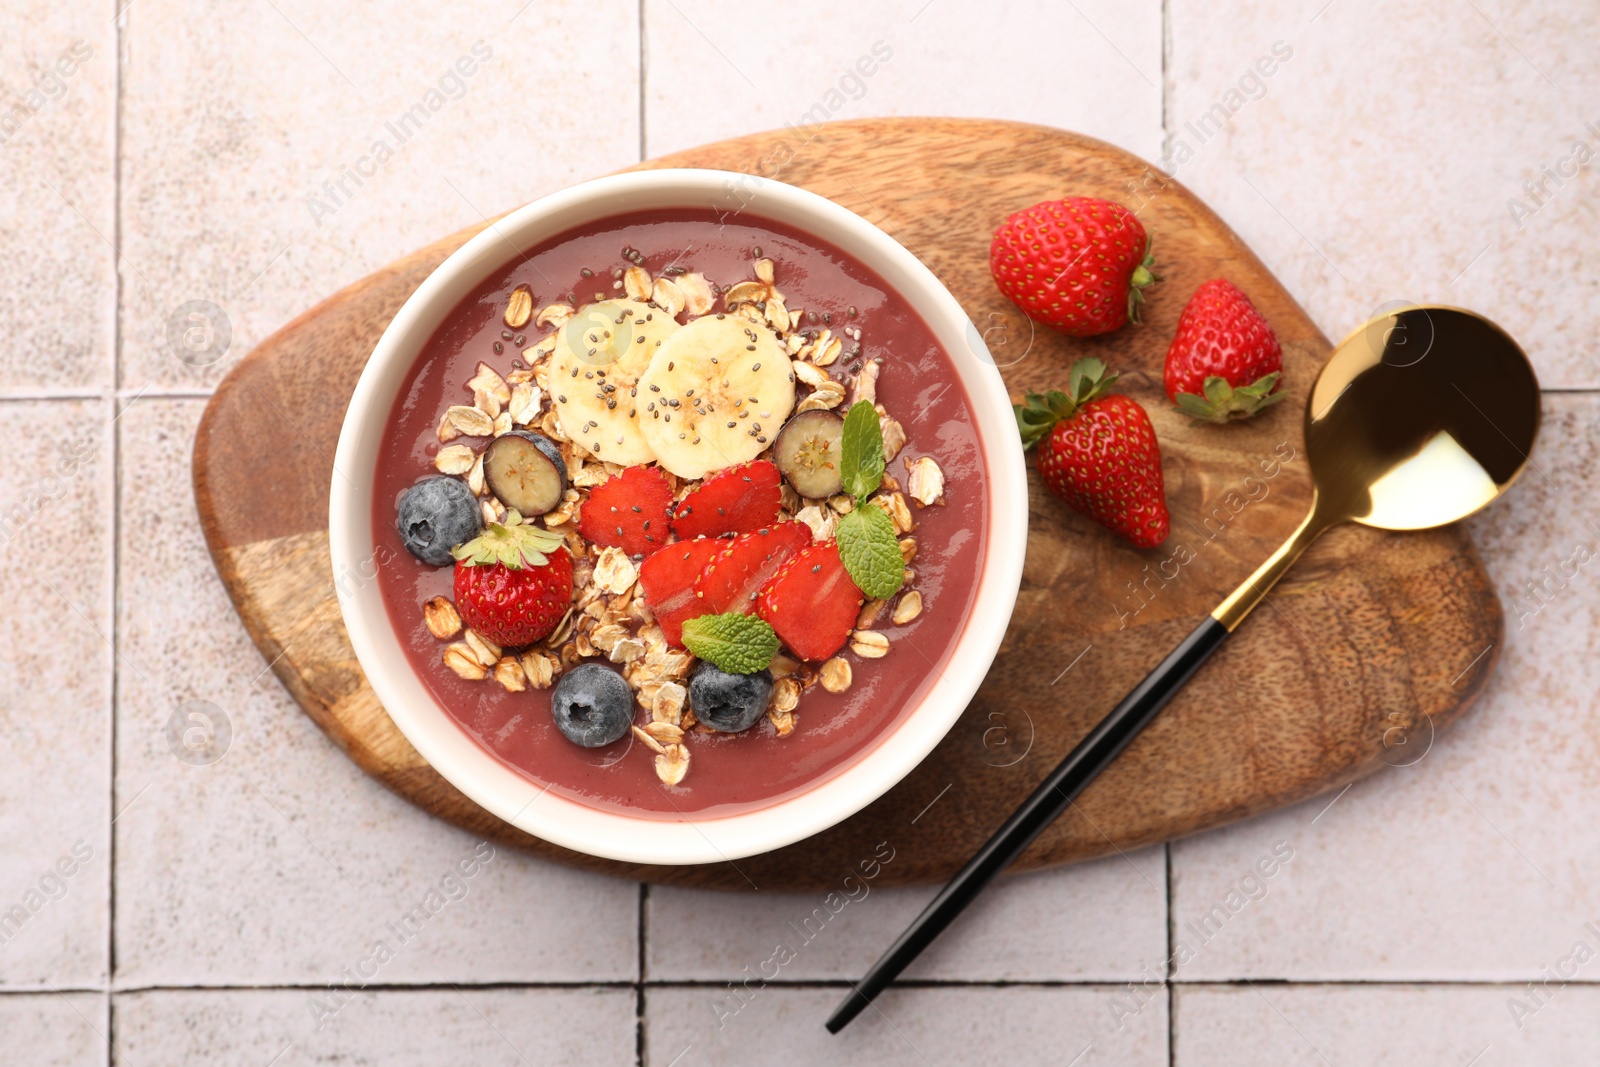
[[1223, 402], [870, 552], [861, 451], [1261, 387], [1084, 371], [1039, 412], [1194, 406], [517, 546], [1144, 274], [735, 643], [1033, 423]]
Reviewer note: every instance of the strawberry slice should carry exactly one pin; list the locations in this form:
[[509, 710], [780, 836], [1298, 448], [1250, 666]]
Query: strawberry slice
[[629, 512], [811, 602], [734, 578], [736, 500], [668, 578]]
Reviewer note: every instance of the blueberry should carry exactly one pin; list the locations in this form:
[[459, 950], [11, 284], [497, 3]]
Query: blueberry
[[436, 515], [728, 702], [592, 705]]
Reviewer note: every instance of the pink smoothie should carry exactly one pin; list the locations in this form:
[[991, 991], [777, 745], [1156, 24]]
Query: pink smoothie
[[729, 773]]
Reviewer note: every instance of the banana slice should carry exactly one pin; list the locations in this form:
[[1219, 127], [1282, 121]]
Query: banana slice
[[594, 372], [716, 394]]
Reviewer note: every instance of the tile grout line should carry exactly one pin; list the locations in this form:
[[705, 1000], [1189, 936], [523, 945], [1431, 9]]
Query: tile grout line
[[1172, 1024], [1172, 994], [643, 938], [643, 142], [50, 395], [1166, 79], [641, 991], [627, 985], [118, 19]]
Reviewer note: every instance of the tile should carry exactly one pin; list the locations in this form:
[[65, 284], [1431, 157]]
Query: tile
[[58, 85], [1384, 1025], [707, 76], [918, 1026], [267, 856], [1476, 860], [55, 1029], [1097, 921], [55, 693], [273, 153], [577, 1027], [1385, 157]]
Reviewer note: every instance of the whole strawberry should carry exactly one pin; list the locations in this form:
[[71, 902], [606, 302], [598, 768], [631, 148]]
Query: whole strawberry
[[513, 582], [1098, 452], [1077, 264], [1225, 361]]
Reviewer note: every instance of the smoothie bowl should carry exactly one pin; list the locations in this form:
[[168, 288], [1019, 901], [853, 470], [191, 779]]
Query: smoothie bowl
[[694, 514]]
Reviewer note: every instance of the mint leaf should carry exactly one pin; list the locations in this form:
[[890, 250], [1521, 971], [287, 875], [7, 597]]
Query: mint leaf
[[870, 552], [861, 451], [738, 644]]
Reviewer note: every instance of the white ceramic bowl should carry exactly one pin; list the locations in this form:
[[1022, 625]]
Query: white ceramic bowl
[[502, 790]]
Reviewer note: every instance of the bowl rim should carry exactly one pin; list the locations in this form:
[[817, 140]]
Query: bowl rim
[[687, 839]]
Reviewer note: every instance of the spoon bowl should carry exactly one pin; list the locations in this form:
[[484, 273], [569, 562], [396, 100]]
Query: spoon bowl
[[1420, 418]]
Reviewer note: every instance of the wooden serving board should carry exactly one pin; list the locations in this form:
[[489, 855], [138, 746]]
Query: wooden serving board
[[1374, 641]]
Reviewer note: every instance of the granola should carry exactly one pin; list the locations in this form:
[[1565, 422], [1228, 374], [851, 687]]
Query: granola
[[586, 381]]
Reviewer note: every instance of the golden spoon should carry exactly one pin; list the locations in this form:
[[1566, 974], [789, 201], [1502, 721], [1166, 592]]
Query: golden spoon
[[1419, 418]]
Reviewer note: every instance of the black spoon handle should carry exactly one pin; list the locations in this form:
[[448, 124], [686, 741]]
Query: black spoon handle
[[1053, 796]]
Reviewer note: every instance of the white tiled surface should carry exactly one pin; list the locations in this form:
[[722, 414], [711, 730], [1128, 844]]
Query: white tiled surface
[[396, 1028], [1427, 119], [236, 113], [55, 1029], [208, 922], [1385, 1025], [58, 67], [1112, 929], [54, 807], [940, 1025], [707, 76]]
